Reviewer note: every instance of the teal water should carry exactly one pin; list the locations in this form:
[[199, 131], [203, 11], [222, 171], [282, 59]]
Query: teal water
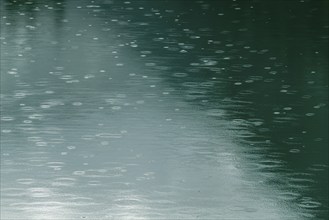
[[164, 109]]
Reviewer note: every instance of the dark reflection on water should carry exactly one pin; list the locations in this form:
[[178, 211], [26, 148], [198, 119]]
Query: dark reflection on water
[[153, 109]]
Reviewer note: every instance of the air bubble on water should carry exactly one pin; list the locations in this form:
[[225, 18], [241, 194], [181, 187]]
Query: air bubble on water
[[310, 114], [76, 103], [287, 108], [238, 83]]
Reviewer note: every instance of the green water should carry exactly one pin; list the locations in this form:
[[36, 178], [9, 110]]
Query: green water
[[164, 109]]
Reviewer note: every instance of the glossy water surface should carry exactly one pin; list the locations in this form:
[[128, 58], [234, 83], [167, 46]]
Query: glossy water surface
[[165, 109]]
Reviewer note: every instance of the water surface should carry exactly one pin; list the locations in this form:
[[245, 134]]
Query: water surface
[[164, 109]]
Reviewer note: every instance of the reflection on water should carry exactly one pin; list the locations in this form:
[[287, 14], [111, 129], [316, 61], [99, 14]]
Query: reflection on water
[[146, 110]]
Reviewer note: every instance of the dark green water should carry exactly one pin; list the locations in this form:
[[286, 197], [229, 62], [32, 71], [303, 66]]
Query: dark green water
[[164, 109]]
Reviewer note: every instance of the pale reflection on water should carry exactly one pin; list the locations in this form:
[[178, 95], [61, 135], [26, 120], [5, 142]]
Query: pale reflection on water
[[143, 110]]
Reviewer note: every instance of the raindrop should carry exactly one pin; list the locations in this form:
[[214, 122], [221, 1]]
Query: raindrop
[[79, 173], [108, 135], [89, 76], [36, 116], [104, 143], [25, 181], [180, 74], [7, 118], [215, 112], [294, 151], [71, 147], [77, 103]]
